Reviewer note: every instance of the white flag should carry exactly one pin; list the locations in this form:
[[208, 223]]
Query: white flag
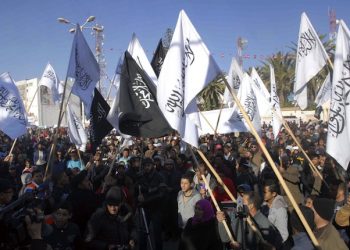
[[187, 69], [76, 130], [84, 69], [249, 102], [325, 91], [13, 117], [113, 114], [234, 79], [338, 136], [261, 93], [50, 80], [275, 103], [136, 51], [311, 58]]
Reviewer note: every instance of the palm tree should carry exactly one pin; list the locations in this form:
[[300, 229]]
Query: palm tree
[[211, 97], [284, 66]]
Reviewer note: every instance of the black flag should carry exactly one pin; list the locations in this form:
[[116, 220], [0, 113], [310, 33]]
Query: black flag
[[139, 112], [158, 58], [99, 126]]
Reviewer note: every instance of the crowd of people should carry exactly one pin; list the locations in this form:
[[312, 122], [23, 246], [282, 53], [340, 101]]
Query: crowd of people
[[140, 193]]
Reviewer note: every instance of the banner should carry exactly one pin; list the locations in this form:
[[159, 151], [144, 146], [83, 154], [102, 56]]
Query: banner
[[99, 126], [158, 58], [50, 80], [13, 117], [84, 69], [76, 130], [325, 91], [311, 58], [139, 112], [187, 69], [275, 103], [234, 79], [338, 136], [136, 51]]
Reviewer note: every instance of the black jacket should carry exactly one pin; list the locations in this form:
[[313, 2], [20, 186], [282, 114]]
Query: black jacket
[[203, 236], [105, 229]]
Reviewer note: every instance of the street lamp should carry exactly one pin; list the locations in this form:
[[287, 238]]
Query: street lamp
[[97, 32]]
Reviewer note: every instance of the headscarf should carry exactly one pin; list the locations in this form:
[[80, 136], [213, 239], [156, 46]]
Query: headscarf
[[208, 212]]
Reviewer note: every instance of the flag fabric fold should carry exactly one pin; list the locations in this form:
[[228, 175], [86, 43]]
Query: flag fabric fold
[[139, 112], [275, 103], [113, 115], [262, 94], [234, 79], [84, 69], [311, 58], [188, 68], [249, 102], [99, 125], [136, 51], [50, 80], [13, 117], [338, 134], [158, 58], [325, 91], [76, 130]]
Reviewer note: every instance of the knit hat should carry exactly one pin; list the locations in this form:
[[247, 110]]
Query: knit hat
[[114, 196], [296, 222], [324, 208]]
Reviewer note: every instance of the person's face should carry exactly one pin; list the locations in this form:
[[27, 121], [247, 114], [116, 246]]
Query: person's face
[[59, 155], [112, 209], [253, 148], [148, 167], [38, 178], [198, 211], [61, 217], [40, 146], [185, 185], [227, 150], [125, 154], [150, 146], [268, 195], [74, 156], [309, 202], [315, 161], [6, 196]]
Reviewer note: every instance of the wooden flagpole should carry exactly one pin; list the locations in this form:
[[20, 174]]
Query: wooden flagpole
[[289, 130], [219, 180], [218, 209], [206, 120], [217, 122], [60, 116], [273, 165], [30, 105]]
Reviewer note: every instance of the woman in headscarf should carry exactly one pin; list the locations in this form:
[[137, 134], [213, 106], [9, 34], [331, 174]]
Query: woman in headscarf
[[201, 231]]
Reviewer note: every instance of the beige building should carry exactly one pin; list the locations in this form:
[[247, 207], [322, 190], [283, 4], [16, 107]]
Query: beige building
[[41, 109]]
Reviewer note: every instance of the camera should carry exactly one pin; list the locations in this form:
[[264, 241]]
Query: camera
[[12, 220]]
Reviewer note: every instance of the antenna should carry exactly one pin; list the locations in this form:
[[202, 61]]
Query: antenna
[[332, 24], [241, 45]]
